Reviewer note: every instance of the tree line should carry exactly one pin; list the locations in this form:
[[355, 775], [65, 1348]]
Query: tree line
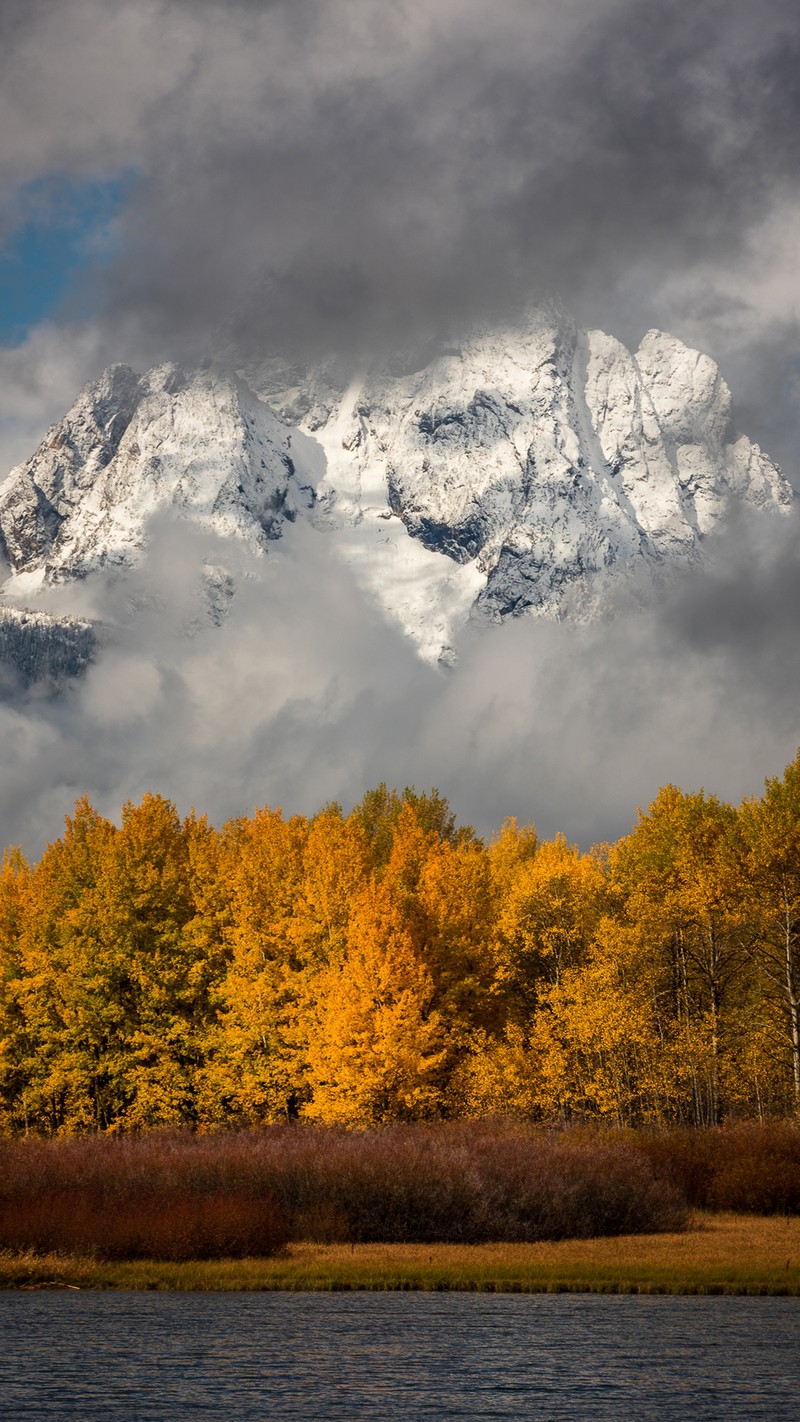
[[390, 965]]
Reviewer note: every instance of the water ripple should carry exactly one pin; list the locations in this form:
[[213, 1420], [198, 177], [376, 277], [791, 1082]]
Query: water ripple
[[131, 1357]]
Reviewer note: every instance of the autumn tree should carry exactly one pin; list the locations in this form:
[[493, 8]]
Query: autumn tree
[[380, 810], [66, 994], [387, 965], [771, 829], [15, 879], [597, 1044], [335, 868], [551, 902], [255, 1068], [162, 963], [377, 1044], [681, 880], [440, 885]]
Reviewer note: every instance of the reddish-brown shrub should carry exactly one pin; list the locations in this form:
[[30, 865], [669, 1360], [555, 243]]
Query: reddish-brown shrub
[[154, 1197], [180, 1196], [744, 1166]]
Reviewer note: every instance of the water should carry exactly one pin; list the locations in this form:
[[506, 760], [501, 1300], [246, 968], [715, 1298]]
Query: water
[[132, 1357]]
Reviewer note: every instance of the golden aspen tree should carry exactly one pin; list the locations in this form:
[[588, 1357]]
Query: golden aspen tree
[[680, 875], [206, 931], [441, 887], [551, 903], [509, 852], [495, 1076], [255, 1070], [376, 1050], [380, 809], [771, 828], [14, 1048], [453, 923], [149, 960], [598, 1041], [69, 1007], [588, 1039], [334, 870], [499, 1076], [387, 965], [116, 990]]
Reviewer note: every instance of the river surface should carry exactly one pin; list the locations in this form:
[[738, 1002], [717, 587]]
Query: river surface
[[138, 1357]]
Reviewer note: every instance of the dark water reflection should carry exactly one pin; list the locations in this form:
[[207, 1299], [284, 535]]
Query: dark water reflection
[[139, 1357]]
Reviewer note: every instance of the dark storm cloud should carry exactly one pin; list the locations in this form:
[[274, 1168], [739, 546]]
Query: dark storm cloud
[[764, 373], [349, 174], [19, 17], [382, 170], [745, 602]]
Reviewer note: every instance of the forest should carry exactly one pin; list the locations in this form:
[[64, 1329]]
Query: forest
[[389, 966]]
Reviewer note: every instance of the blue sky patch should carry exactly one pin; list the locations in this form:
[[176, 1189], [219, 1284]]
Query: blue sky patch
[[64, 233]]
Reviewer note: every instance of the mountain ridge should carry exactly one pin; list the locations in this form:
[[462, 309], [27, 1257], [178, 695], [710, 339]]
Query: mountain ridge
[[522, 471]]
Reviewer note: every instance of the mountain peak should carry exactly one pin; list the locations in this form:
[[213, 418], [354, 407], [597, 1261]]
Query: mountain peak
[[196, 443]]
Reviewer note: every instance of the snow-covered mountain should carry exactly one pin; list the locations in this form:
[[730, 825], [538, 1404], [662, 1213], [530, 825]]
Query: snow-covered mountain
[[524, 470]]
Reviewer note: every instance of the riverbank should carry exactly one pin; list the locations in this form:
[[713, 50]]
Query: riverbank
[[720, 1254]]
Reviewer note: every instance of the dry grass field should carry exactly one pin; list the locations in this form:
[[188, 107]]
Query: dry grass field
[[720, 1254]]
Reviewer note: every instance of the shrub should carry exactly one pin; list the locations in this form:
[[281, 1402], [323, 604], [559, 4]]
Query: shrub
[[744, 1166], [174, 1196], [148, 1198]]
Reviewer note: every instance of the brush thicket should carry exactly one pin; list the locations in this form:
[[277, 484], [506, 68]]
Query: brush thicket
[[233, 1194]]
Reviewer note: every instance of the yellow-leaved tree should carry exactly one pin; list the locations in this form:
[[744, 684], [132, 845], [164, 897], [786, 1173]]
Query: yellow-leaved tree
[[15, 1048], [68, 987], [163, 969], [376, 1048], [552, 901], [771, 829], [683, 890], [255, 1069]]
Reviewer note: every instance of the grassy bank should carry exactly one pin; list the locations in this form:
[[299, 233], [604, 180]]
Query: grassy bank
[[720, 1254]]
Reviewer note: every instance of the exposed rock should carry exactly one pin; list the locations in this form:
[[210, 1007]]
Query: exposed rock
[[551, 459]]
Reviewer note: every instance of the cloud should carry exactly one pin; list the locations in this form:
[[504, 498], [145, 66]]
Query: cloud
[[41, 376], [39, 379], [369, 172], [351, 176], [345, 173], [304, 694]]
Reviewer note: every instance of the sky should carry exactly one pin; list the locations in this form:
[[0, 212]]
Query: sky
[[185, 178], [62, 236]]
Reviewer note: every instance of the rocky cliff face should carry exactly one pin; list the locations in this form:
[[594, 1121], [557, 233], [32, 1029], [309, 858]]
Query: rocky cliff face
[[519, 471]]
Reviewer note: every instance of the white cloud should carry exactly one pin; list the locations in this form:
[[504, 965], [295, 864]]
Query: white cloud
[[39, 379], [304, 694]]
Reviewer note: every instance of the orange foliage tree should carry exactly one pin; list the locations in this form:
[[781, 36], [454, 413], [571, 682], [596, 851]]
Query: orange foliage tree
[[388, 965]]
